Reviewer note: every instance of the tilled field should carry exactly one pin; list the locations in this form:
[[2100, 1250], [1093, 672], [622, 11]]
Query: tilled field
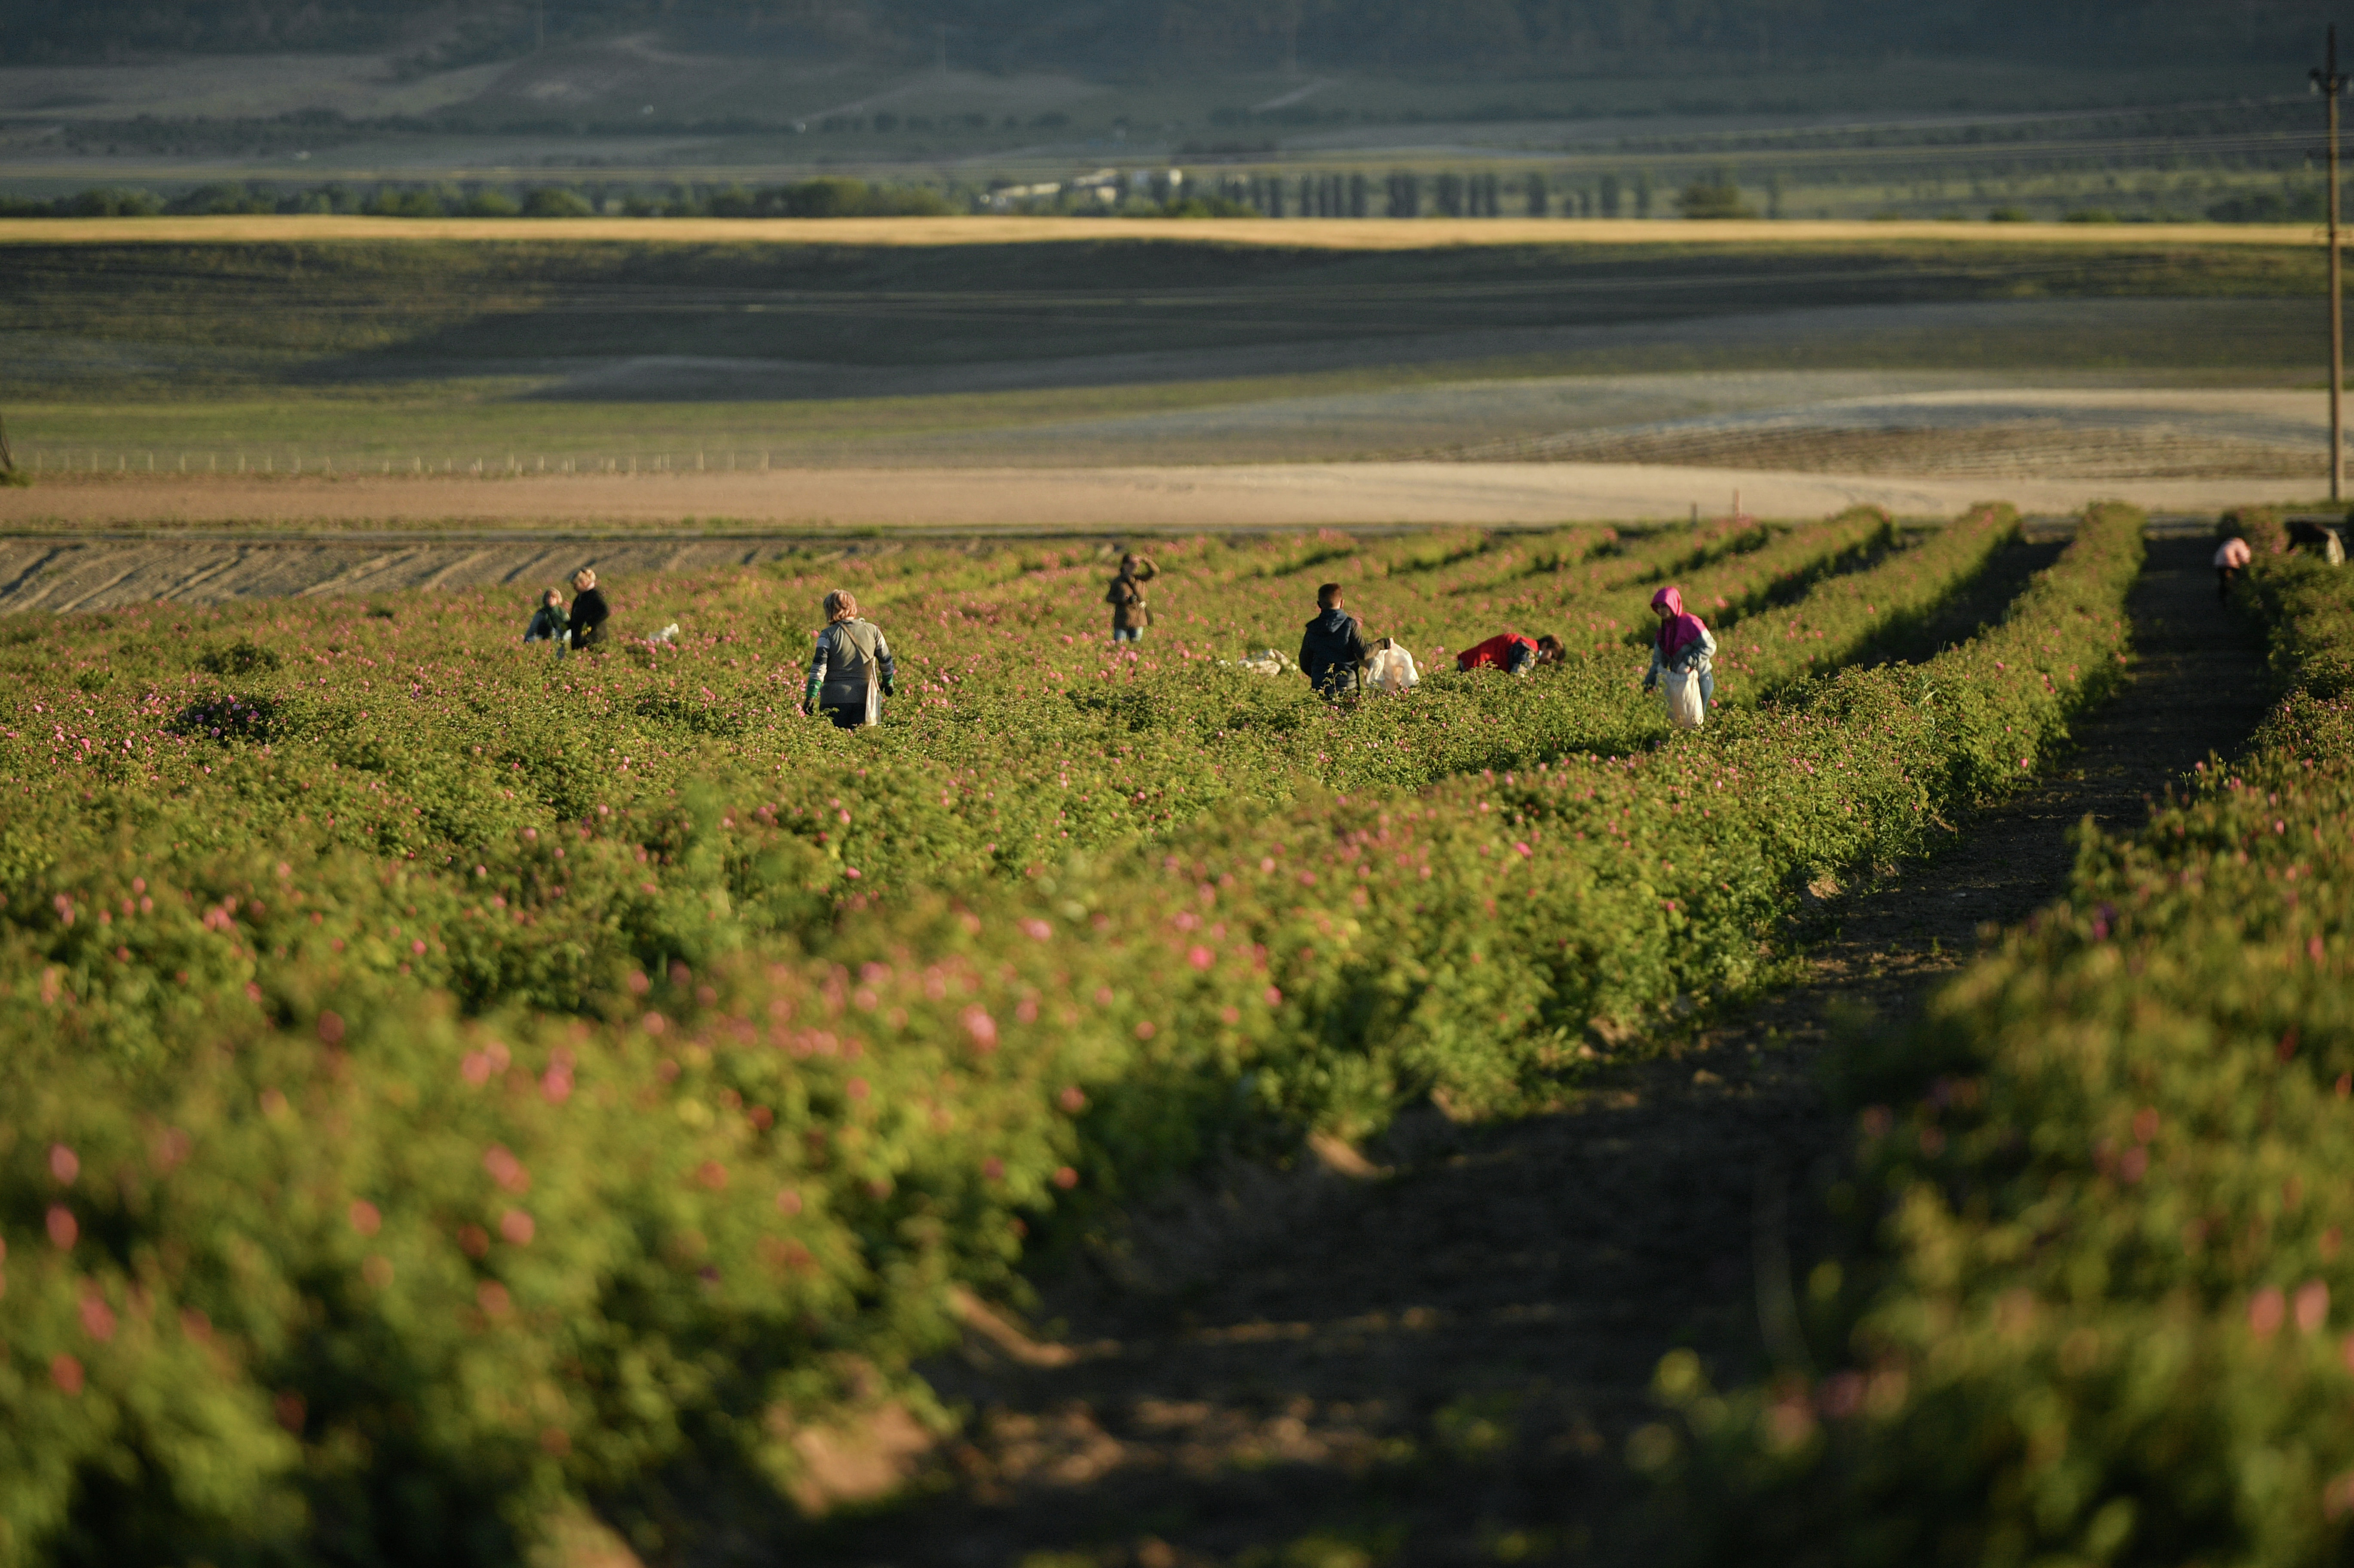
[[299, 538], [60, 574]]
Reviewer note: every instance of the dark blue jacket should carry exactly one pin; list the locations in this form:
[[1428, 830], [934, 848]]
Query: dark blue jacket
[[1332, 651]]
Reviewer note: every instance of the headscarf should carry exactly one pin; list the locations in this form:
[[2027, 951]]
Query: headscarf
[[1680, 626]]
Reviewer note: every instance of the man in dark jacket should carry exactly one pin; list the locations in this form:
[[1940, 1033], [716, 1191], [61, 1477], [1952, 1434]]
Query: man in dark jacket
[[1335, 647]]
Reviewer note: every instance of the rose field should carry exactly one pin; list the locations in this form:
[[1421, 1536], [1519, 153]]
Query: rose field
[[2095, 1306], [451, 1091]]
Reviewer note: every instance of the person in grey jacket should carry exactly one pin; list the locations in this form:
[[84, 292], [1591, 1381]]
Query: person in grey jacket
[[851, 672]]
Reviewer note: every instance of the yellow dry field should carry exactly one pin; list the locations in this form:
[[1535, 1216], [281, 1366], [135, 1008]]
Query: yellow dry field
[[1331, 234]]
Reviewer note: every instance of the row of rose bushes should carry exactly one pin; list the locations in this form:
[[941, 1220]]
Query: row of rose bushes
[[336, 787], [1777, 570], [553, 904], [303, 773], [431, 728], [2108, 1320], [1833, 624], [302, 1260]]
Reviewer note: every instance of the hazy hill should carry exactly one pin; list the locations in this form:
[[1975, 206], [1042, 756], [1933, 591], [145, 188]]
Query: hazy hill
[[1140, 37]]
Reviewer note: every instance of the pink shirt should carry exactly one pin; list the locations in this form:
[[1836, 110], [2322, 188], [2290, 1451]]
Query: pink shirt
[[2232, 553]]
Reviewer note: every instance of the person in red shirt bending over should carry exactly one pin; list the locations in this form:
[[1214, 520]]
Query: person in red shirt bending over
[[1510, 653]]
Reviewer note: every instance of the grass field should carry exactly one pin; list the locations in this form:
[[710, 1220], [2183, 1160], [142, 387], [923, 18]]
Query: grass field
[[1056, 342]]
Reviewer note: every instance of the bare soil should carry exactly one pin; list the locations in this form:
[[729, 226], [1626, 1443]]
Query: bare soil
[[1085, 500], [1442, 1363]]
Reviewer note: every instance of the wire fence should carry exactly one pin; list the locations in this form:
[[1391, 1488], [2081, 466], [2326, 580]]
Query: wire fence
[[288, 462]]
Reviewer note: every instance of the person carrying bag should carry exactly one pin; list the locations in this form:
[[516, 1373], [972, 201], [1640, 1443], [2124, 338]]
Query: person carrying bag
[[850, 672], [1129, 613], [1683, 654]]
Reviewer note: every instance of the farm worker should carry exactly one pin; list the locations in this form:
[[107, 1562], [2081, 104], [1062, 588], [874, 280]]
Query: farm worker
[[590, 611], [549, 623], [1391, 670], [851, 672], [1128, 615], [2231, 557], [1510, 653], [1333, 647], [1682, 646]]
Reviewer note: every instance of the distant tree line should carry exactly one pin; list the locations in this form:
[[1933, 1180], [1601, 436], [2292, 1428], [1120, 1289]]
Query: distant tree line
[[828, 198], [1402, 194], [1407, 193], [2272, 206], [1410, 34]]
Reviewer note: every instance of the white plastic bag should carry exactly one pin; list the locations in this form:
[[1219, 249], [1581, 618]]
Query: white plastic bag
[[1391, 672], [1685, 710]]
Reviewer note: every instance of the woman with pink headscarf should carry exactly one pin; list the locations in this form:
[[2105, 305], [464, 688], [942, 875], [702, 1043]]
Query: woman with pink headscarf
[[1683, 646]]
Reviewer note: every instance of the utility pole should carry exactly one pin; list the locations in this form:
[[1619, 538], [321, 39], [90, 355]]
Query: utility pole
[[2328, 82]]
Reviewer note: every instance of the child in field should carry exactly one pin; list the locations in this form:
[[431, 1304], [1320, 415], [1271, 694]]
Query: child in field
[[1683, 647], [550, 622], [851, 672], [1510, 653], [590, 611]]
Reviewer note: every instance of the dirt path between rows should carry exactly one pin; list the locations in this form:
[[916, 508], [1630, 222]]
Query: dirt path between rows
[[1442, 1365]]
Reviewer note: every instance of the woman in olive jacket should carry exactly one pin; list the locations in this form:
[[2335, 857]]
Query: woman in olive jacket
[[851, 672], [1130, 613]]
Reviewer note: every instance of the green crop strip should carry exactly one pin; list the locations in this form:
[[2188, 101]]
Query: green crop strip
[[436, 1095], [2107, 1318]]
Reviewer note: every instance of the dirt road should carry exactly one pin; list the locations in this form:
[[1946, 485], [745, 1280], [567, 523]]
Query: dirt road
[[1026, 499], [59, 573]]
